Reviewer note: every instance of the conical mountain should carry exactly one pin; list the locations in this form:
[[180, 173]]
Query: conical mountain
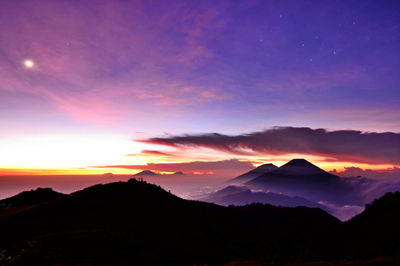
[[301, 167], [178, 173], [301, 178], [146, 173], [300, 163]]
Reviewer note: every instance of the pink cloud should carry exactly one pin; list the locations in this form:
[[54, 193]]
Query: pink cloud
[[87, 108], [92, 66], [389, 173], [151, 152]]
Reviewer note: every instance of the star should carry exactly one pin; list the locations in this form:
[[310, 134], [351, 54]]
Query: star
[[29, 63]]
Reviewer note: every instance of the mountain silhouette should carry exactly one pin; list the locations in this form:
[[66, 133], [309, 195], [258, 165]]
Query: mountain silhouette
[[146, 173], [139, 223], [229, 190], [26, 200], [136, 222], [241, 195], [370, 238], [262, 169], [373, 233], [301, 178], [178, 173], [30, 198]]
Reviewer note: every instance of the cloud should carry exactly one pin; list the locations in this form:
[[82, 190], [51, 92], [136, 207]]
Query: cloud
[[226, 168], [345, 212], [370, 189], [371, 184], [390, 173], [341, 145], [92, 77], [151, 152]]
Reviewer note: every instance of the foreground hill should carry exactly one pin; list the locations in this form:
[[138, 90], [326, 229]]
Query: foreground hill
[[301, 178], [373, 233], [26, 200], [29, 198], [138, 222]]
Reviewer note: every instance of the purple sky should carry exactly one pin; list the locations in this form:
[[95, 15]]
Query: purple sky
[[143, 69]]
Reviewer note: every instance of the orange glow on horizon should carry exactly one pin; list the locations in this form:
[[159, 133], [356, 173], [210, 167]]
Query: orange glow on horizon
[[67, 171], [327, 166], [63, 151], [90, 154], [165, 173]]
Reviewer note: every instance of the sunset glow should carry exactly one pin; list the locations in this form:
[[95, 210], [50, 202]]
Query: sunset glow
[[63, 151], [128, 86], [179, 132]]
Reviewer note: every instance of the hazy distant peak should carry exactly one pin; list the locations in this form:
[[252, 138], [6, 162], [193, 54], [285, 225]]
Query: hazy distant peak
[[146, 173], [262, 169], [178, 173], [226, 191], [232, 189], [266, 165]]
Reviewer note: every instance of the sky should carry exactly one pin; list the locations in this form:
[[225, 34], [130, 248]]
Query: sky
[[206, 87]]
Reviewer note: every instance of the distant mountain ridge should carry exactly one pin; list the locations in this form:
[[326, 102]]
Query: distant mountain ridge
[[241, 195], [301, 178], [262, 169], [178, 173], [146, 173], [296, 183], [152, 173]]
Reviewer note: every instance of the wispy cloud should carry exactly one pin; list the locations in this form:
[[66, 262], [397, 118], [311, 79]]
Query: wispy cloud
[[93, 65], [390, 173]]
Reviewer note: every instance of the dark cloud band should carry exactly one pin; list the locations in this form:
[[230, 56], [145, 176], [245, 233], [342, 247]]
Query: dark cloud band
[[341, 145]]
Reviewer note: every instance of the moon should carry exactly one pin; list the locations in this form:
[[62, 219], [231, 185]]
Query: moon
[[29, 63]]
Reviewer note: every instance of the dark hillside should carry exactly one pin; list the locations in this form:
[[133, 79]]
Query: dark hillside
[[139, 222]]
